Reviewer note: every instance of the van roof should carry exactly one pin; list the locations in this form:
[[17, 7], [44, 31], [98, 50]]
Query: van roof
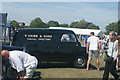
[[46, 29]]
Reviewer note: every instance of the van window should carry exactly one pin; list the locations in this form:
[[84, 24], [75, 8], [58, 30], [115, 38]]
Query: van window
[[68, 38]]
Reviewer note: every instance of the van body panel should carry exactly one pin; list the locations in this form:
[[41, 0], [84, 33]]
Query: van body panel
[[48, 44]]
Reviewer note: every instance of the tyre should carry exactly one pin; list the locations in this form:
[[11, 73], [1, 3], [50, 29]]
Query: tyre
[[80, 62]]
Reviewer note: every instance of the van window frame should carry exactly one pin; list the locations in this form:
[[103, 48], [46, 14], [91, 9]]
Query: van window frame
[[67, 38]]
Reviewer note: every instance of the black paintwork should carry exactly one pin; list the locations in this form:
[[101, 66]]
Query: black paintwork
[[49, 51], [10, 48]]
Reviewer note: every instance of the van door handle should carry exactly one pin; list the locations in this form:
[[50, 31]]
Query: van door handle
[[76, 44]]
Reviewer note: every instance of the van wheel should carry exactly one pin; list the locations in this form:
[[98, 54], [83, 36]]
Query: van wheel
[[80, 62]]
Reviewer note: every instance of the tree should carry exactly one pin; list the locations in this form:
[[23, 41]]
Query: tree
[[113, 27], [84, 25], [74, 24], [63, 25], [119, 27], [14, 23], [93, 26], [37, 23], [53, 24]]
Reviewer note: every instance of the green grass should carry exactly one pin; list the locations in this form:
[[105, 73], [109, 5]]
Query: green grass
[[72, 72]]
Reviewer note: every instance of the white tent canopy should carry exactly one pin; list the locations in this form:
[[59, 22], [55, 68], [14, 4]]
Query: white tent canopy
[[81, 31]]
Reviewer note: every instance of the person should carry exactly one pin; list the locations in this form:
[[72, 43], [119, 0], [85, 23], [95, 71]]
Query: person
[[104, 43], [117, 62], [82, 40], [110, 65], [92, 42], [100, 45], [86, 38], [22, 62]]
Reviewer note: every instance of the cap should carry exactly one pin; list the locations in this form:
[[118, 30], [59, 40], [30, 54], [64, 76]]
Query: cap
[[92, 33]]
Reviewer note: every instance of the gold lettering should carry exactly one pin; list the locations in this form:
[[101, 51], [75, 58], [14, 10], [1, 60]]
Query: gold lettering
[[41, 39], [25, 35], [36, 36], [31, 39], [40, 35], [47, 39], [31, 36], [48, 36]]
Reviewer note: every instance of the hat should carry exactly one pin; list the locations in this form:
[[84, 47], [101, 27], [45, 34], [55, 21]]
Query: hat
[[92, 33]]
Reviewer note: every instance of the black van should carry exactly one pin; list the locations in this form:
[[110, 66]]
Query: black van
[[52, 45]]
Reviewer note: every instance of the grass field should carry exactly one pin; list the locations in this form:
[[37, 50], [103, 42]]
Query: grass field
[[73, 72]]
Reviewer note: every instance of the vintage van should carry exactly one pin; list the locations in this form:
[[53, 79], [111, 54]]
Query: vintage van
[[52, 45]]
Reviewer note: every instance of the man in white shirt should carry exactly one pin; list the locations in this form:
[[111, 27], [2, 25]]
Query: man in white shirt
[[92, 48], [24, 63]]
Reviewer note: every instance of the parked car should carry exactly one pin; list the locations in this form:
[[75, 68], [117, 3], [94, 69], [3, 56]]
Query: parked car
[[52, 45], [10, 48]]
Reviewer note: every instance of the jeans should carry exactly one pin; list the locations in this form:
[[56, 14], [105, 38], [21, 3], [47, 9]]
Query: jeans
[[110, 67]]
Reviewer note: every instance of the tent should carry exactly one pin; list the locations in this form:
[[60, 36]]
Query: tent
[[81, 31]]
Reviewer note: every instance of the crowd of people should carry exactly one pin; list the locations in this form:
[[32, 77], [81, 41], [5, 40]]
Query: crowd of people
[[98, 46]]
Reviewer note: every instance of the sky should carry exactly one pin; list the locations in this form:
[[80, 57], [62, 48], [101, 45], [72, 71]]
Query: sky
[[59, 0], [99, 13]]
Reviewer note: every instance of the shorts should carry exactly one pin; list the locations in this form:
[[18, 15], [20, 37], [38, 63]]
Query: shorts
[[93, 52]]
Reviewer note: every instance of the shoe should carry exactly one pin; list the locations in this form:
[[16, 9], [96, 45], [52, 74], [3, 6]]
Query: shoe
[[98, 69], [87, 68]]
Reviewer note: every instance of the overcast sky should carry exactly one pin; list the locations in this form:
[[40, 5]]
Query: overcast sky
[[99, 13]]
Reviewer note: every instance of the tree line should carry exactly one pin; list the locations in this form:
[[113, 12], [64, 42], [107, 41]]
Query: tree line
[[82, 24], [38, 23]]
